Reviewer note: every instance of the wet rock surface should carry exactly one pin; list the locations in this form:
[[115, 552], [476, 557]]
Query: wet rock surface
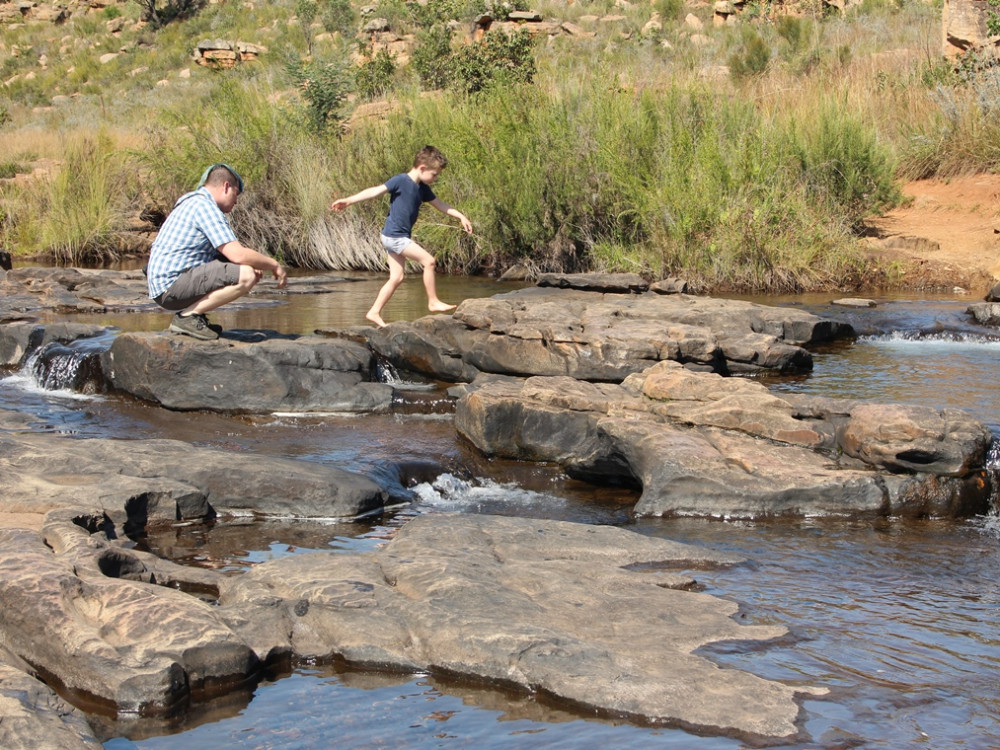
[[612, 380], [33, 716], [597, 616], [237, 373]]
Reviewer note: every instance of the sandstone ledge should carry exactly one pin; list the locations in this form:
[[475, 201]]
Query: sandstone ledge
[[597, 336], [134, 482], [702, 445], [599, 617]]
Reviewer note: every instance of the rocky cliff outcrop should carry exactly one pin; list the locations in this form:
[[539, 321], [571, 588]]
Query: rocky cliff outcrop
[[966, 28]]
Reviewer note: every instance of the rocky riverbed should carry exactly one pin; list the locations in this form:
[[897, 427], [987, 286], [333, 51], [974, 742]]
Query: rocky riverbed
[[614, 381]]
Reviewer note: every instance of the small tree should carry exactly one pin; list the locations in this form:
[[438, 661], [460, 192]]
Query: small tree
[[499, 59], [307, 10], [169, 10], [432, 57], [324, 86], [338, 16]]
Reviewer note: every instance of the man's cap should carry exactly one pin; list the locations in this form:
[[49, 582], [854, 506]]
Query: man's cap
[[207, 172]]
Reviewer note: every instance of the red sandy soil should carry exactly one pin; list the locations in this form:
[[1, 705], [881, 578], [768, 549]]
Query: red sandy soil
[[946, 235]]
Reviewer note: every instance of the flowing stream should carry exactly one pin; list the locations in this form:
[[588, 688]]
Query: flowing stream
[[897, 618]]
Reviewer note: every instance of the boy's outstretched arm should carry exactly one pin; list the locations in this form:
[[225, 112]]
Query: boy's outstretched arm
[[365, 195], [447, 210]]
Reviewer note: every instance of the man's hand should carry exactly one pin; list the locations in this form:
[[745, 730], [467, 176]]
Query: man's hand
[[281, 276]]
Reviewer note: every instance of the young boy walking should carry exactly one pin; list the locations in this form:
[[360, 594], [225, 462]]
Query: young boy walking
[[407, 192]]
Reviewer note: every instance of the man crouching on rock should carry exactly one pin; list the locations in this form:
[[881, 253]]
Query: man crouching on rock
[[196, 263]]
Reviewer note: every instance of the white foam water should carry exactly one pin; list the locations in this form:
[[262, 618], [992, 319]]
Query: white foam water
[[451, 493]]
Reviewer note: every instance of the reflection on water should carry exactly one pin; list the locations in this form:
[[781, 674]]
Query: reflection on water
[[897, 618]]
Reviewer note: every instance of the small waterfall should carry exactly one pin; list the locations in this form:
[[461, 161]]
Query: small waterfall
[[993, 471], [452, 493], [385, 371], [73, 366], [934, 340]]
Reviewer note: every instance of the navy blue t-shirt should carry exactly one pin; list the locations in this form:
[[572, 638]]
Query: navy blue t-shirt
[[405, 198]]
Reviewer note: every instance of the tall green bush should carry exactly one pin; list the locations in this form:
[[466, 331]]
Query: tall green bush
[[843, 164]]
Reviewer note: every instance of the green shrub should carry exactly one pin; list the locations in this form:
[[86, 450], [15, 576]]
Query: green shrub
[[79, 214], [374, 78], [794, 30], [669, 10], [431, 57], [499, 59], [169, 11], [844, 165], [338, 16], [752, 58]]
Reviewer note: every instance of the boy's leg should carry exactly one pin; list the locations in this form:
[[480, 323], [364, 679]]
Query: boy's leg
[[416, 253], [396, 271]]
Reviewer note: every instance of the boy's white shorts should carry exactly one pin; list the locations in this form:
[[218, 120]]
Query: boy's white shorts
[[395, 245]]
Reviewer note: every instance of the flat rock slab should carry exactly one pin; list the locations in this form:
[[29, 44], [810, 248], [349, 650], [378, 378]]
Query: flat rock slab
[[141, 480], [596, 336], [598, 617], [29, 290], [703, 445], [275, 373]]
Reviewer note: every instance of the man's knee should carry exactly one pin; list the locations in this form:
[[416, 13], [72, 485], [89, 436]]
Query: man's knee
[[429, 263], [248, 278]]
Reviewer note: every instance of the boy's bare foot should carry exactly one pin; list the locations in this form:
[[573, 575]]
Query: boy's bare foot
[[376, 319], [440, 307]]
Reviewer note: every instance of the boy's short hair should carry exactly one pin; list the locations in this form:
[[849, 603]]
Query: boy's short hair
[[431, 158]]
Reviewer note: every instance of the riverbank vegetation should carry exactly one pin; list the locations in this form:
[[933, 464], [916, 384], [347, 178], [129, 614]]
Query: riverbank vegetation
[[743, 157]]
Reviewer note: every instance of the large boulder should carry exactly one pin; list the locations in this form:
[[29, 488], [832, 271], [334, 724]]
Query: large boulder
[[274, 373], [603, 337], [700, 444]]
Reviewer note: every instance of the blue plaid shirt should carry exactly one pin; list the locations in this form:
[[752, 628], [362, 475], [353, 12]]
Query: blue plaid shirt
[[188, 238]]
